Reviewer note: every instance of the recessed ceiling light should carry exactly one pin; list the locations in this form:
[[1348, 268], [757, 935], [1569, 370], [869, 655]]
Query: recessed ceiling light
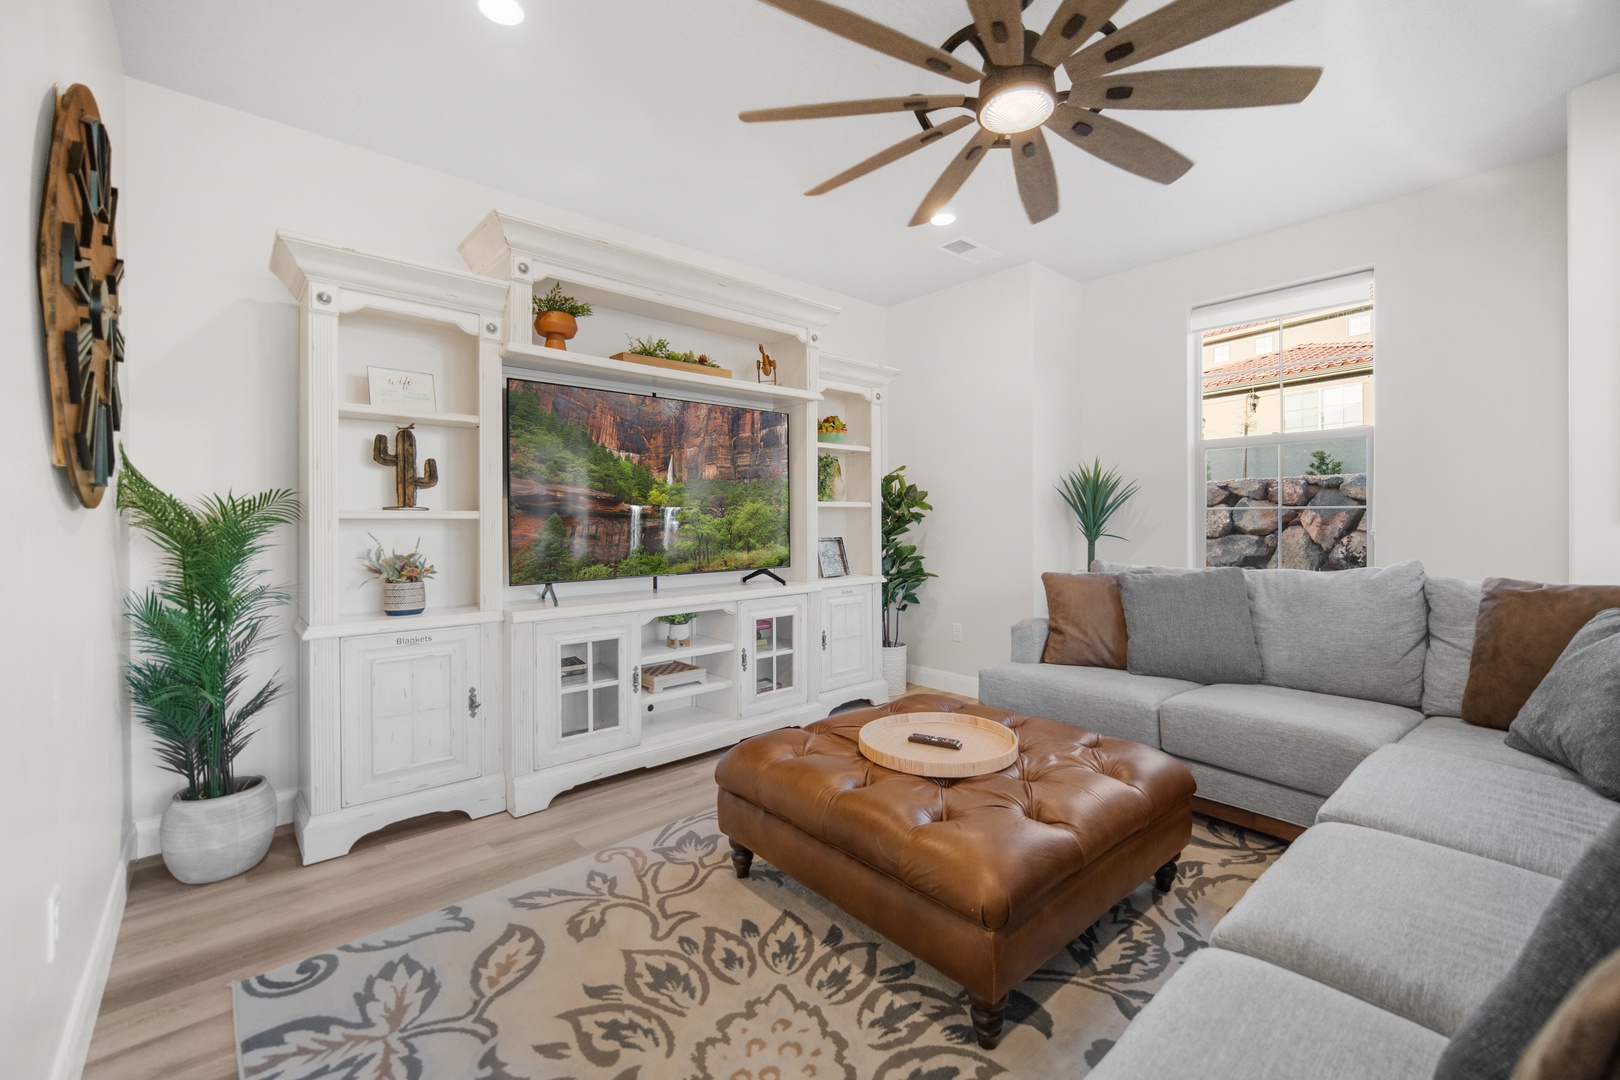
[[944, 217], [505, 12]]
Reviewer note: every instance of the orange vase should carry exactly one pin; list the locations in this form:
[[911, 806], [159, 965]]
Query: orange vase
[[556, 328]]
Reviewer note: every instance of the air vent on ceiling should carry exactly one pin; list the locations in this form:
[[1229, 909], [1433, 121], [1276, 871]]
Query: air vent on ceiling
[[971, 250]]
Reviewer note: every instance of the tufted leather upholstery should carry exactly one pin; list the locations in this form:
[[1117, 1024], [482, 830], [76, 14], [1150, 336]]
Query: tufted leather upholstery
[[989, 848]]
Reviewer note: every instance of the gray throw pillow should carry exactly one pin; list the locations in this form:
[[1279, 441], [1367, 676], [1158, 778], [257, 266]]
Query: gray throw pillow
[[1580, 927], [1192, 626], [1453, 607], [1573, 717]]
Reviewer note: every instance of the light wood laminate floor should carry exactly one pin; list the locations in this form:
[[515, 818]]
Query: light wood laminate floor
[[166, 1012]]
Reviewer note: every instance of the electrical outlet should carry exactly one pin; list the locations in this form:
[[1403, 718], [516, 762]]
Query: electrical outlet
[[53, 922], [956, 631]]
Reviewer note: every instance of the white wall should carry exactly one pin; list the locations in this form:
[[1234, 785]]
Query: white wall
[[63, 792], [217, 332], [1471, 382], [1594, 331]]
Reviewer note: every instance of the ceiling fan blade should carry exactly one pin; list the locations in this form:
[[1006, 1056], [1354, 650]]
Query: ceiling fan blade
[[864, 107], [1118, 144], [893, 154], [1001, 29], [1178, 23], [955, 175], [1072, 23], [1037, 178], [863, 31], [1198, 88]]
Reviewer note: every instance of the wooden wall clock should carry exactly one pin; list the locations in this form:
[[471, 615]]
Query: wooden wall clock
[[79, 278]]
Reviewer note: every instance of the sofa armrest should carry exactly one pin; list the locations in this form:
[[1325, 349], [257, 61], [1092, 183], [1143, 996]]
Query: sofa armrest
[[1029, 641]]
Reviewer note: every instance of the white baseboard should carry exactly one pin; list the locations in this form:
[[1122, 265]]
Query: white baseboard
[[147, 841], [966, 685], [74, 1048]]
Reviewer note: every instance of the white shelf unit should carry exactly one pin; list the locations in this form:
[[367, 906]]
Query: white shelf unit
[[397, 716]]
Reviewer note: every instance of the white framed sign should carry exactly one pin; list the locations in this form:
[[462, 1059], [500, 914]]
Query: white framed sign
[[409, 390]]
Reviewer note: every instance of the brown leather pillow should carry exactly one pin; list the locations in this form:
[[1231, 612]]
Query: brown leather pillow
[[1581, 1041], [1087, 620], [1521, 629]]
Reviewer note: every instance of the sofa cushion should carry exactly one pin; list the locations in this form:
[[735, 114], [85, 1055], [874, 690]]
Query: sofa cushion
[[1103, 700], [1582, 1040], [1580, 927], [1522, 628], [1354, 633], [1086, 620], [1226, 1016], [1192, 626], [1419, 930], [1251, 793], [1573, 718], [1029, 640], [1512, 815], [1291, 737], [1453, 607], [1452, 736]]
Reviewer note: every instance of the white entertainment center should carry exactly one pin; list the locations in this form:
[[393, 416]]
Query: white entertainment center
[[492, 699]]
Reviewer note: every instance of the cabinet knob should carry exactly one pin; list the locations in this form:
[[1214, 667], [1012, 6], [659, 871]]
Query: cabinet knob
[[635, 679], [473, 704]]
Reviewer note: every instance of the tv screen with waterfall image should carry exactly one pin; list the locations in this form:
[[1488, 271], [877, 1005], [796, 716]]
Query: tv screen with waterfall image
[[602, 484]]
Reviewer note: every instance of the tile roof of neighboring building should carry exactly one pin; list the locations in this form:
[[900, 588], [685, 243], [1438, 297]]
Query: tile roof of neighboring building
[[1308, 358], [1222, 331]]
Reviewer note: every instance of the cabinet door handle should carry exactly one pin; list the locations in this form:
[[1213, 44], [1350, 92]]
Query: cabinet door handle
[[635, 679], [824, 641], [745, 659], [473, 704]]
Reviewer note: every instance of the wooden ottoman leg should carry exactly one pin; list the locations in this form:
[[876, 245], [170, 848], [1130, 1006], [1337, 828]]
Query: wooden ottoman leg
[[741, 859], [987, 1019], [1165, 876]]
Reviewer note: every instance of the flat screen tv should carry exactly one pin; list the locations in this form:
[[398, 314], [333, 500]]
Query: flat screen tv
[[603, 485]]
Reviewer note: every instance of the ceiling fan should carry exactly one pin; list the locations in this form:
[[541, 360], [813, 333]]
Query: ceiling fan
[[1017, 91]]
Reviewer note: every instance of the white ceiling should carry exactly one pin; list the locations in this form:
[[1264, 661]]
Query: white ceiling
[[625, 110]]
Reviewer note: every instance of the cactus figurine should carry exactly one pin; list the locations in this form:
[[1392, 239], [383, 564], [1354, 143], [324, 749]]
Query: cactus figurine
[[403, 462]]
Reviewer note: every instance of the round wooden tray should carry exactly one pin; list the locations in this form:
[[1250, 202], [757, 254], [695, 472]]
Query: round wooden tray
[[987, 746]]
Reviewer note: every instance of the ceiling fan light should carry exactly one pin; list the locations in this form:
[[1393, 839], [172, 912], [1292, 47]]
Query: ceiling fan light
[[944, 217], [505, 12]]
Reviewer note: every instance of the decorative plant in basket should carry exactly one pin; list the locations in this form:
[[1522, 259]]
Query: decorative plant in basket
[[827, 471], [196, 631], [1095, 495], [403, 578], [678, 629], [832, 429], [556, 317], [660, 349], [904, 504]]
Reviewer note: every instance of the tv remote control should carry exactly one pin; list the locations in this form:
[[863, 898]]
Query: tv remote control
[[936, 740]]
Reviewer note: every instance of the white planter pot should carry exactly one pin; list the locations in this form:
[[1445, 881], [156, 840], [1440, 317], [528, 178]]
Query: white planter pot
[[404, 597], [213, 839], [677, 635], [894, 669]]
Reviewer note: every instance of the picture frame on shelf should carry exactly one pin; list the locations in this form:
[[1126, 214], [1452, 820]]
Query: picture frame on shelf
[[833, 557], [412, 391]]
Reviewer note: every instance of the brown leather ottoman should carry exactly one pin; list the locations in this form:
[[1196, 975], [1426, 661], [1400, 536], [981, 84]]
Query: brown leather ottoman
[[984, 878]]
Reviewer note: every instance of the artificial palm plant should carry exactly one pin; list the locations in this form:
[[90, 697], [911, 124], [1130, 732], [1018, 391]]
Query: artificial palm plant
[[903, 573], [200, 624], [1095, 495]]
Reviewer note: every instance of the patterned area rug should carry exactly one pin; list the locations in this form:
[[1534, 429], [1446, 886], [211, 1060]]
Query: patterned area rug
[[651, 961]]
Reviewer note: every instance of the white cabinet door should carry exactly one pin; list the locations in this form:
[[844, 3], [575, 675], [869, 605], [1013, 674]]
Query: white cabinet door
[[586, 674], [772, 655], [848, 627], [410, 709]]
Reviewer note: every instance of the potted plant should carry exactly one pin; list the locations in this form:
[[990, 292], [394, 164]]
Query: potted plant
[[678, 629], [195, 631], [827, 473], [832, 429], [403, 578], [657, 352], [556, 317], [903, 573], [1095, 496]]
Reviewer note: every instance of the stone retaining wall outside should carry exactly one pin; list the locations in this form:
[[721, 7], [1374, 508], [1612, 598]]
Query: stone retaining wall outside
[[1298, 523]]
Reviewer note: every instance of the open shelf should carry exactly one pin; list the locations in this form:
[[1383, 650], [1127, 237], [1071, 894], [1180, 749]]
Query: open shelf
[[408, 515], [404, 416], [654, 652], [841, 448], [374, 622], [711, 685], [557, 361]]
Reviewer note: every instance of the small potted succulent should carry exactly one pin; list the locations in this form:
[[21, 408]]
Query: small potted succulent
[[678, 629], [556, 317], [403, 578], [832, 429]]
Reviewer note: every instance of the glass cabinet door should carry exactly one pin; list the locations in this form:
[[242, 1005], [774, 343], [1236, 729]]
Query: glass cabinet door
[[771, 661], [584, 682], [588, 683]]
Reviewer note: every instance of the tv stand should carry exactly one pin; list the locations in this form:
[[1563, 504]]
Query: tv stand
[[551, 591], [765, 573]]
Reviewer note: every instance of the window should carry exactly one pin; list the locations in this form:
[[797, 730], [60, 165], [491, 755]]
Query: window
[[1285, 435]]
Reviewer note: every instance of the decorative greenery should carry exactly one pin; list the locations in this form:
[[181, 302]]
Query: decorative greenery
[[903, 573], [826, 473], [678, 620], [396, 568], [1322, 465], [660, 348], [556, 301], [830, 424], [1095, 496], [201, 624]]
